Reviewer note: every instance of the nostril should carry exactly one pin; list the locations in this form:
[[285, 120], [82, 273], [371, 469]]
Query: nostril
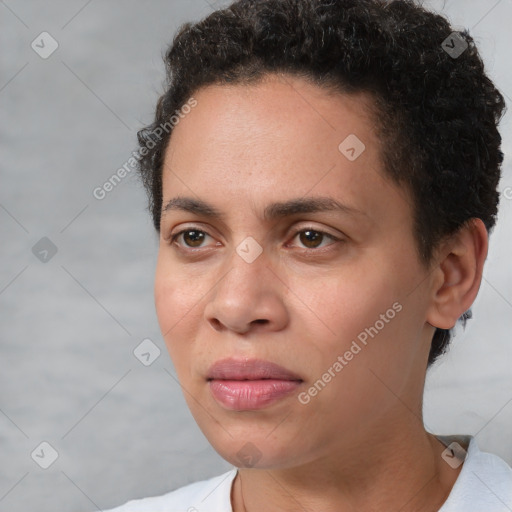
[[216, 323]]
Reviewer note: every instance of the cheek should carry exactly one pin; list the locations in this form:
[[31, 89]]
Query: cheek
[[364, 319], [168, 301], [378, 324], [176, 301], [177, 291], [346, 302]]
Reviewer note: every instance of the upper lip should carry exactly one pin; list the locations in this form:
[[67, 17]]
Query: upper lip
[[249, 369]]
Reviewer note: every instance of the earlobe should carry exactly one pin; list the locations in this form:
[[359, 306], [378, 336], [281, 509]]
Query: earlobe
[[458, 274]]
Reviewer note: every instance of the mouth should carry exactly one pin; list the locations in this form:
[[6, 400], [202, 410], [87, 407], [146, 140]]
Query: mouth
[[251, 369], [250, 384]]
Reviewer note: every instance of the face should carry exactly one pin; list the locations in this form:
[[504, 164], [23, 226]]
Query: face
[[297, 330]]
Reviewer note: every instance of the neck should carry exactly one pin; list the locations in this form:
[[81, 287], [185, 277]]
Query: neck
[[405, 473]]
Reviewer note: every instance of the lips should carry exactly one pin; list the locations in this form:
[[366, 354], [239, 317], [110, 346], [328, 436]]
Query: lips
[[252, 369], [250, 384]]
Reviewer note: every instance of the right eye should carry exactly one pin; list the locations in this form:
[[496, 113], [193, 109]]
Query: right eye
[[192, 237]]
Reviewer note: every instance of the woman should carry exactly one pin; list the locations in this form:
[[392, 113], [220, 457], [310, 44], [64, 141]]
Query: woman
[[323, 178]]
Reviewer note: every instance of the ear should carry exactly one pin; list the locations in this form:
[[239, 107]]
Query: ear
[[457, 274]]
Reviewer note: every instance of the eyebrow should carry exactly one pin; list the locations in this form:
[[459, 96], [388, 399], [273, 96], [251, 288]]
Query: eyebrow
[[271, 212]]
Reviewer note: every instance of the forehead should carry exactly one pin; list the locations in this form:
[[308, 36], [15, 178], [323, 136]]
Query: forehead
[[279, 138], [277, 112]]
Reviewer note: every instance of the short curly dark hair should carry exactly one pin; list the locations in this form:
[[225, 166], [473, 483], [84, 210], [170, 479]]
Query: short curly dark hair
[[436, 111]]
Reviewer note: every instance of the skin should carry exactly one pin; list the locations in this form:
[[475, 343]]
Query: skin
[[360, 443]]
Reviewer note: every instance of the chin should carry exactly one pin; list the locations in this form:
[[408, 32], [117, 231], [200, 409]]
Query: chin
[[254, 448]]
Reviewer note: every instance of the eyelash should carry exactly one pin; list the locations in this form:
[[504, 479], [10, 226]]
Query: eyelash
[[173, 238]]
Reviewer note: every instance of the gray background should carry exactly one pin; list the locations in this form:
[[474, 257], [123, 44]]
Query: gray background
[[68, 375]]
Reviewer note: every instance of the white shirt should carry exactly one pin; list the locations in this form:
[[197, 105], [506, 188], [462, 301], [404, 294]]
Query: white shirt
[[484, 484]]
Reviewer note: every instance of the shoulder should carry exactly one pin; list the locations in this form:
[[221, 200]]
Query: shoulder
[[484, 482], [213, 495]]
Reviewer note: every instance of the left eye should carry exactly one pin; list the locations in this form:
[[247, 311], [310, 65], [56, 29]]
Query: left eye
[[312, 238], [309, 237]]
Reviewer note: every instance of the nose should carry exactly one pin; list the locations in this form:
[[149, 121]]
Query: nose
[[248, 297]]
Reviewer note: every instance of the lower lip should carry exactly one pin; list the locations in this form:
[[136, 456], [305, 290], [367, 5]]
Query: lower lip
[[246, 395]]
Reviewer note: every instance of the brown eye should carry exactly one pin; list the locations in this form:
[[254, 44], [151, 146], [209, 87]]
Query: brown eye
[[195, 237], [309, 238], [313, 238], [192, 237]]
